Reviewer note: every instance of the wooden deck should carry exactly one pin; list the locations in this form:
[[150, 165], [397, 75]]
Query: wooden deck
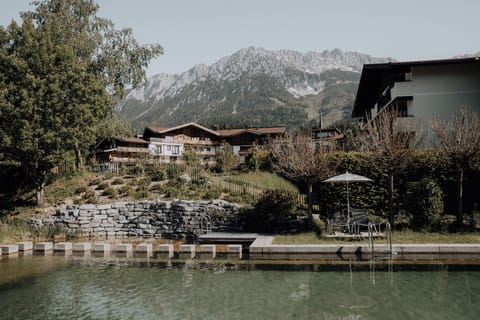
[[226, 237]]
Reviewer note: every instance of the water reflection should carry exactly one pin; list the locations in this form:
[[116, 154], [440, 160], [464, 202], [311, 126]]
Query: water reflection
[[112, 288]]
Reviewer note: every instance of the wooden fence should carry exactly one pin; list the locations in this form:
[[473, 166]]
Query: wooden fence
[[256, 191]]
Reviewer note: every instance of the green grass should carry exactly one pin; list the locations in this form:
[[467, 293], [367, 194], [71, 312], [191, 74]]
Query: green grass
[[399, 237], [266, 180]]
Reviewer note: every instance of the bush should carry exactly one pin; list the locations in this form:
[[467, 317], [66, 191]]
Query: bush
[[141, 193], [211, 194], [109, 192], [274, 212], [125, 191], [137, 169], [95, 181], [117, 181], [90, 197], [424, 200], [156, 188], [158, 175], [144, 182], [102, 186]]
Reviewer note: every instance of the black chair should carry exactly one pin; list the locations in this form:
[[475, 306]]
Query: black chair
[[359, 219], [337, 220]]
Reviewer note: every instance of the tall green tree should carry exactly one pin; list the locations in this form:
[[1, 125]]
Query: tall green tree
[[61, 71]]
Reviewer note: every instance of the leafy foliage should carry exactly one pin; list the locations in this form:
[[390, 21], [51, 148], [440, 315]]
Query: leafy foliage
[[191, 158], [273, 212], [424, 201], [57, 71], [225, 158]]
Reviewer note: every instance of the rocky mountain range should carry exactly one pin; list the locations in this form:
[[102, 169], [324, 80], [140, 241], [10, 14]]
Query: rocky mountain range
[[252, 87]]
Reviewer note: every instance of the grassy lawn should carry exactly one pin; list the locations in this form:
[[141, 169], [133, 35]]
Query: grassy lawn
[[403, 237], [266, 180]]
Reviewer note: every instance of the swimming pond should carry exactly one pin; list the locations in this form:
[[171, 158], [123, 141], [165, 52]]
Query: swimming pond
[[38, 287]]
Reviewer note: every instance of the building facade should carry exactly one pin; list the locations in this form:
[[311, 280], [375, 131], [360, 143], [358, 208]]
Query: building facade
[[421, 90], [169, 144]]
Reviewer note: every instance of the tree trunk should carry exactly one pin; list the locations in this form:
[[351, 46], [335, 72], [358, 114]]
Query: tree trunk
[[78, 158], [40, 193], [309, 198], [460, 198], [390, 200]]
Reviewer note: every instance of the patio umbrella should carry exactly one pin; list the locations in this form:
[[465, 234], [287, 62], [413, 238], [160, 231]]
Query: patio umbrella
[[347, 178]]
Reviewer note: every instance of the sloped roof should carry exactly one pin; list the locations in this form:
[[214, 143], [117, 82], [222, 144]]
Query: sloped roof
[[131, 140], [193, 124], [257, 131]]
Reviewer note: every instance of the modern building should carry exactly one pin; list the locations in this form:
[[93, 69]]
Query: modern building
[[421, 90]]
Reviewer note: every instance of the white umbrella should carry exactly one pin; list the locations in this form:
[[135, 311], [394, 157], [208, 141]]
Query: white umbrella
[[347, 177]]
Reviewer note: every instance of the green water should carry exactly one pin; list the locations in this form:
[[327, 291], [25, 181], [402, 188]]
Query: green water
[[62, 288]]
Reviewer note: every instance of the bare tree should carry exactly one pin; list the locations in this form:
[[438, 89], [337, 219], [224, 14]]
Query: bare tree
[[300, 159], [389, 141], [458, 141]]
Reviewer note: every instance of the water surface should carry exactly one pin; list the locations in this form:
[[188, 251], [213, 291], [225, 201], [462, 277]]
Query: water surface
[[63, 288]]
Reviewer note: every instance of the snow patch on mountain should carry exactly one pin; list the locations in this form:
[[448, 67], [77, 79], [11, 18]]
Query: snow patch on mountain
[[278, 64]]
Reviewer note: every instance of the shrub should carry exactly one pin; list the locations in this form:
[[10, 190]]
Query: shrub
[[125, 191], [141, 192], [117, 181], [274, 212], [90, 196], [102, 186], [94, 182], [424, 200], [156, 188], [144, 182], [137, 169], [109, 191], [81, 189], [211, 194], [158, 175]]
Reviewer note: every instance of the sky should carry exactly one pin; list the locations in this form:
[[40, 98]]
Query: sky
[[203, 31]]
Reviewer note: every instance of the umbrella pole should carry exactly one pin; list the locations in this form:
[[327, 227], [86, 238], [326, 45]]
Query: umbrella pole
[[348, 206]]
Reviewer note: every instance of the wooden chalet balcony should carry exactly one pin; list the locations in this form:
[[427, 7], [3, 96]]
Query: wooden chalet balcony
[[133, 150], [206, 153], [191, 142]]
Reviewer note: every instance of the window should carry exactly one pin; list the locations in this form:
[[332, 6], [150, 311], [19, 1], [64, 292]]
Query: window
[[176, 150], [169, 138], [169, 148], [180, 138], [158, 150]]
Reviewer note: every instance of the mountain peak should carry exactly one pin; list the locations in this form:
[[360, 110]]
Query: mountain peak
[[251, 80]]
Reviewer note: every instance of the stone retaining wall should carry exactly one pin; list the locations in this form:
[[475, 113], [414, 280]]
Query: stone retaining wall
[[167, 219]]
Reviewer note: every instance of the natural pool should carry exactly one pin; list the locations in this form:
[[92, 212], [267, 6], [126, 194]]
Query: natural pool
[[37, 287]]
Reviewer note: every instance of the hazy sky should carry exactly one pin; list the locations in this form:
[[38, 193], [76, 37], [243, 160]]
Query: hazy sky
[[202, 31]]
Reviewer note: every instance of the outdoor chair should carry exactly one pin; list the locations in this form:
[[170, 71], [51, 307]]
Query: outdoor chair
[[337, 220], [360, 218]]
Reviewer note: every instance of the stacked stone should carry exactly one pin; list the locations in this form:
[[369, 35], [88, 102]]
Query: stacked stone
[[173, 219]]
